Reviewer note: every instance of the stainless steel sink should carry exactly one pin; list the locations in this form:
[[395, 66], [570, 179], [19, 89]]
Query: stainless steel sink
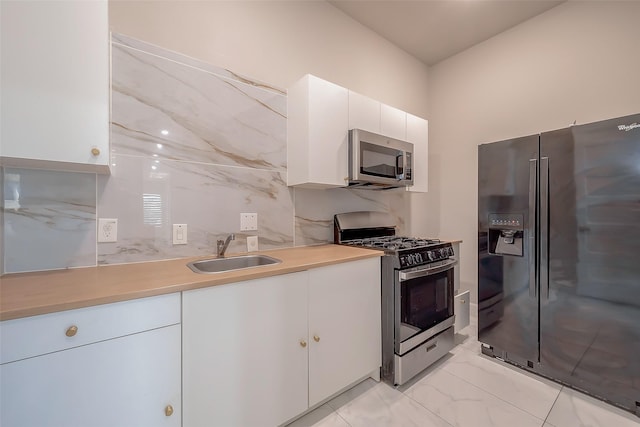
[[221, 265]]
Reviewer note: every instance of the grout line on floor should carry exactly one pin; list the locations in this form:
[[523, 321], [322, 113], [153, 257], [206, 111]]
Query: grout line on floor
[[422, 406], [498, 397], [341, 417], [554, 404]]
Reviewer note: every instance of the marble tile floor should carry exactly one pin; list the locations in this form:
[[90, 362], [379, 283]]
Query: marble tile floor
[[467, 389]]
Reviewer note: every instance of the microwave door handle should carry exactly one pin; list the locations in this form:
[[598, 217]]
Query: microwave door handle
[[399, 167]]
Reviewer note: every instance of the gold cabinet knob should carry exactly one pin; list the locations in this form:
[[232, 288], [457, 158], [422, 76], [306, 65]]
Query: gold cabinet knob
[[303, 343], [71, 331], [461, 301], [168, 410], [95, 151], [316, 338]]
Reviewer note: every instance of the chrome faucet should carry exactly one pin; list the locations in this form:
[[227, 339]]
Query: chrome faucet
[[223, 244]]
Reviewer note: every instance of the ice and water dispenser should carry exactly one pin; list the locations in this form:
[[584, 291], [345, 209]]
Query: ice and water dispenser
[[506, 234]]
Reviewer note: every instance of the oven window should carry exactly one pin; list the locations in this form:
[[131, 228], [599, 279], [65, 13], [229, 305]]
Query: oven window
[[380, 161], [426, 301]]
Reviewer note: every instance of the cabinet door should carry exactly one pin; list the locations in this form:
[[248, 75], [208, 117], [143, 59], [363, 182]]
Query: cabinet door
[[317, 134], [126, 381], [245, 351], [344, 326], [418, 135], [364, 113], [55, 84], [393, 122]]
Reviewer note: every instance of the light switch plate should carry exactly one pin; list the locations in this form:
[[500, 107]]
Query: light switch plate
[[179, 234], [248, 221], [107, 230], [252, 243]]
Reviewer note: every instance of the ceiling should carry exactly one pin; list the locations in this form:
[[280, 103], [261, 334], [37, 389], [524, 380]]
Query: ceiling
[[433, 30]]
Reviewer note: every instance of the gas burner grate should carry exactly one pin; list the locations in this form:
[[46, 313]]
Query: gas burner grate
[[393, 242]]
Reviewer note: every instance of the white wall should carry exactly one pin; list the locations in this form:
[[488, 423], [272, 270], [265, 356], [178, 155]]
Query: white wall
[[278, 42], [574, 62], [577, 61]]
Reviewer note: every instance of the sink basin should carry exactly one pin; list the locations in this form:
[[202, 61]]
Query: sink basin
[[221, 265]]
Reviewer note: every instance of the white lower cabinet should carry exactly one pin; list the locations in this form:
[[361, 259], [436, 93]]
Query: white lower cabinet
[[131, 380], [245, 352], [344, 326], [260, 352]]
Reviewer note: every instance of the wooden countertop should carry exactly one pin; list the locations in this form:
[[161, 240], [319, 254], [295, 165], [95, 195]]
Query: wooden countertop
[[29, 294]]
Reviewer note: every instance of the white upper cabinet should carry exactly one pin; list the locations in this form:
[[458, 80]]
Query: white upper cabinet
[[320, 115], [373, 116], [317, 134], [393, 122], [55, 85], [418, 135], [364, 113]]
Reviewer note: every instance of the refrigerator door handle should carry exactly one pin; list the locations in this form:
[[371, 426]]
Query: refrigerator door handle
[[544, 228], [533, 187]]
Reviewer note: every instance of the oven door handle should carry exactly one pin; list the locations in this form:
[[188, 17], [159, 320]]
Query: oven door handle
[[408, 275]]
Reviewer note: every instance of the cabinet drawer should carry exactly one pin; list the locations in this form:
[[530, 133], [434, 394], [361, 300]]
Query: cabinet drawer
[[32, 336]]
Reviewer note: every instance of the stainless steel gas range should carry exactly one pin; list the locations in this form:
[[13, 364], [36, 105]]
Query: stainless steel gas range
[[417, 292]]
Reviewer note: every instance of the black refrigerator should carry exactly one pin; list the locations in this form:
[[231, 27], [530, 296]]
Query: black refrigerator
[[559, 256]]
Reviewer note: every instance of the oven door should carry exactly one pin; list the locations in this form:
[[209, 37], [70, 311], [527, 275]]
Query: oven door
[[424, 304]]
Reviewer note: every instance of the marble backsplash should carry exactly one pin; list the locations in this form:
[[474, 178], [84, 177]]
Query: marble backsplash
[[49, 219], [191, 144]]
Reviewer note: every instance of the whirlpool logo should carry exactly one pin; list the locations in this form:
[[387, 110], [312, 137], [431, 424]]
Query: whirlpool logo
[[627, 128]]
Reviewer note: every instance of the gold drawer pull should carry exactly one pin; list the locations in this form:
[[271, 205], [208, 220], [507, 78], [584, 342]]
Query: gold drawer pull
[[71, 331], [461, 301], [316, 338], [95, 151], [303, 343], [168, 410]]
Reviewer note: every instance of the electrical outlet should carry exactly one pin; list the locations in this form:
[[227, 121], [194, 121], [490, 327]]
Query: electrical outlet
[[179, 234], [107, 230], [252, 243], [248, 221]]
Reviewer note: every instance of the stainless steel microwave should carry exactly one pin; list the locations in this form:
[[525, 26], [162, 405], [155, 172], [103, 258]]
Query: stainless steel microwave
[[379, 162]]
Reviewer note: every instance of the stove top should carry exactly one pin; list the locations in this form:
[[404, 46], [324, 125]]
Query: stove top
[[408, 251], [374, 230], [393, 243]]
